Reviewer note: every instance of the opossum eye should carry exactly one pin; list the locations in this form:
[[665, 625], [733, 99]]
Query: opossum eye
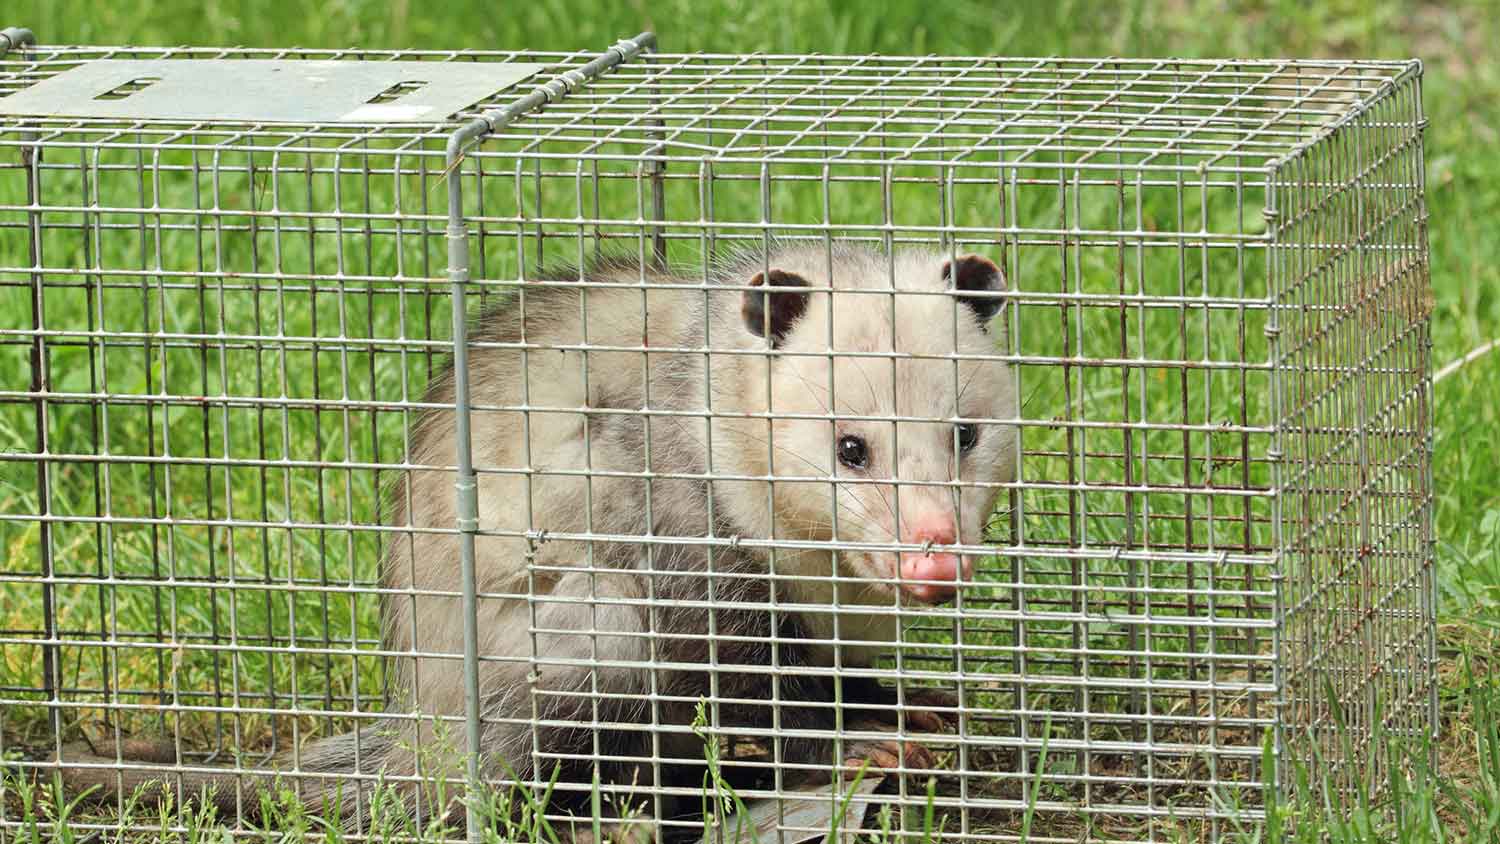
[[967, 436], [852, 453]]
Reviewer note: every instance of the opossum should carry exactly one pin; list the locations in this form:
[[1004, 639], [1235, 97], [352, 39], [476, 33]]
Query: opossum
[[732, 389]]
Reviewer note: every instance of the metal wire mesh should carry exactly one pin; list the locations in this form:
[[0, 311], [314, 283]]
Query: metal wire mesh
[[218, 337]]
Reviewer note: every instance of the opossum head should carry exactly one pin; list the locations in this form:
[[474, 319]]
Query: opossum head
[[885, 401]]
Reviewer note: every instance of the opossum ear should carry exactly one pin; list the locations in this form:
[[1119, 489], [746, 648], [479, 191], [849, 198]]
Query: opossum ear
[[977, 274], [783, 307]]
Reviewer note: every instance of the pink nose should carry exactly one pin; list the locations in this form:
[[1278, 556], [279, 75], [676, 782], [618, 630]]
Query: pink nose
[[931, 577]]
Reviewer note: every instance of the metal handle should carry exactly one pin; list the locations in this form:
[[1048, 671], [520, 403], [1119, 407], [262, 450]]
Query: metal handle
[[15, 36]]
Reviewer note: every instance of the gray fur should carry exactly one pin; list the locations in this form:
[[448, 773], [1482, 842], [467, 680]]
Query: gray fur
[[427, 624]]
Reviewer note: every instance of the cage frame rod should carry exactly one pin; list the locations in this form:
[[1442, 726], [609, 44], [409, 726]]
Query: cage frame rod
[[466, 484]]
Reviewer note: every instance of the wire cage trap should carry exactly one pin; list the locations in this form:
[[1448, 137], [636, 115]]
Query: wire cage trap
[[225, 311]]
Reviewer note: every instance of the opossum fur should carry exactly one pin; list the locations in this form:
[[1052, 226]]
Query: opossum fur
[[618, 622]]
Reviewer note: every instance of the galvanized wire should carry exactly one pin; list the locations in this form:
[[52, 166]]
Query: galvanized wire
[[217, 336]]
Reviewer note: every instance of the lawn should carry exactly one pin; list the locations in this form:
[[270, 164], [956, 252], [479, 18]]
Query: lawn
[[1461, 91]]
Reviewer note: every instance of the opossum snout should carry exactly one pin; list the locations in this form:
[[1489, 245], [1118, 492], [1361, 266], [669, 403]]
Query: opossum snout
[[931, 577]]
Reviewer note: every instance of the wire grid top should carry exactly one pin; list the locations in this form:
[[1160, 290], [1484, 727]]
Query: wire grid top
[[1146, 114], [1230, 116]]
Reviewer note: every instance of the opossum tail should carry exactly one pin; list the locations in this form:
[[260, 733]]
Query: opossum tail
[[240, 795]]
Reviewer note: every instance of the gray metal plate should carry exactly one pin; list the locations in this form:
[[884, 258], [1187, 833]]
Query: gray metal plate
[[266, 91]]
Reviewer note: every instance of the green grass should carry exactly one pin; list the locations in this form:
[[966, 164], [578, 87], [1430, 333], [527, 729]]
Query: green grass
[[1461, 87], [1434, 807]]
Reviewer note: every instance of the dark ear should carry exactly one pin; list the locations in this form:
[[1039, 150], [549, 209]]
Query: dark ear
[[782, 306], [977, 274]]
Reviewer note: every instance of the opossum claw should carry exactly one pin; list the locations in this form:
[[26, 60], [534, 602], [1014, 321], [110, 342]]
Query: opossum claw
[[888, 755]]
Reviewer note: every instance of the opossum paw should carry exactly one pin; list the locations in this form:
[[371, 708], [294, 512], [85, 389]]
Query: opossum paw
[[934, 707], [926, 721], [613, 832], [888, 755]]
